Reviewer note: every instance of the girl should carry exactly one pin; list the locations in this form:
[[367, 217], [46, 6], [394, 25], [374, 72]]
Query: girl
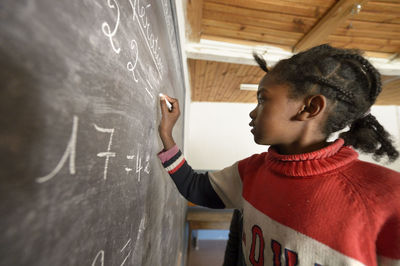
[[306, 201]]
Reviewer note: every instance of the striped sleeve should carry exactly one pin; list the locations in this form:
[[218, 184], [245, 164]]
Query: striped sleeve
[[195, 187], [175, 162]]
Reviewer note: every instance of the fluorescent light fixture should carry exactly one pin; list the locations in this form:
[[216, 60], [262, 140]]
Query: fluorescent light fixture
[[249, 87]]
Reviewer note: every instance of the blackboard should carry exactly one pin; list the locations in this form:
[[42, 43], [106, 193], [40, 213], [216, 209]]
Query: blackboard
[[80, 181]]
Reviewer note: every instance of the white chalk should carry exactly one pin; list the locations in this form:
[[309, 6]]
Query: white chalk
[[169, 105]]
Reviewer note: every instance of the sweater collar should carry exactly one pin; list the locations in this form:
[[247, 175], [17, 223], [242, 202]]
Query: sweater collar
[[313, 163]]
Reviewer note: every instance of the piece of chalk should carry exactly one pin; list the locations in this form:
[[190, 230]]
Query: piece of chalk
[[169, 105]]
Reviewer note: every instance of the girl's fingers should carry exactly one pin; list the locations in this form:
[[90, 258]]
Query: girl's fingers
[[169, 117], [175, 105], [163, 105], [170, 99], [174, 102]]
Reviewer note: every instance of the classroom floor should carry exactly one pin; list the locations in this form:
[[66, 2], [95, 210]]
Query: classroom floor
[[210, 253]]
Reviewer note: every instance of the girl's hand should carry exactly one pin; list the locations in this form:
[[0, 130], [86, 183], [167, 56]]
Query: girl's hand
[[168, 121]]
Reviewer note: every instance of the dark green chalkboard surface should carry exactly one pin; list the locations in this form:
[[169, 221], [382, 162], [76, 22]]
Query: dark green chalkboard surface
[[80, 182]]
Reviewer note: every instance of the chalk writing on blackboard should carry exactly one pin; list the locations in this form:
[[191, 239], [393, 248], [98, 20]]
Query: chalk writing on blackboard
[[100, 256], [69, 152], [139, 166], [151, 87], [127, 248], [106, 27], [142, 227], [108, 153], [140, 16], [129, 253], [131, 66]]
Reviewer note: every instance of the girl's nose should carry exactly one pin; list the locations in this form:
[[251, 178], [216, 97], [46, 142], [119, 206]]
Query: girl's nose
[[253, 113]]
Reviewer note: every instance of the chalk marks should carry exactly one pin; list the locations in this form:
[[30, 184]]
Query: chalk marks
[[106, 27], [129, 241], [147, 167], [108, 153], [129, 253], [128, 169], [69, 152], [127, 248], [100, 255], [131, 66], [139, 15], [151, 87], [138, 165], [142, 227]]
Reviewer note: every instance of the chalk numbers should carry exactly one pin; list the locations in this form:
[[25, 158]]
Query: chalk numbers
[[125, 251], [106, 27], [131, 66], [128, 248], [136, 163], [69, 152], [108, 153], [145, 32], [140, 165]]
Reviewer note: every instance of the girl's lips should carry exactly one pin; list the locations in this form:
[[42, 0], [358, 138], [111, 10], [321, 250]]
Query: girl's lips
[[252, 126]]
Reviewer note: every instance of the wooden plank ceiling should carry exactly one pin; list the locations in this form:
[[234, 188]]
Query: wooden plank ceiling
[[213, 81], [293, 25]]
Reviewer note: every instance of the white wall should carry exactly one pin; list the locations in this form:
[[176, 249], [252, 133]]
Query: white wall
[[219, 134]]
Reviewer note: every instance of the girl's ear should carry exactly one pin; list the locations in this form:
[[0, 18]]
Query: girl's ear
[[313, 106]]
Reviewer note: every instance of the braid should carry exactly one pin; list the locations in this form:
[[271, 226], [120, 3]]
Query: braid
[[351, 84], [345, 95], [371, 75], [368, 135], [261, 62]]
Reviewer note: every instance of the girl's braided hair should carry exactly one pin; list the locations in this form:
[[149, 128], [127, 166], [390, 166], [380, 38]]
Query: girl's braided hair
[[350, 83]]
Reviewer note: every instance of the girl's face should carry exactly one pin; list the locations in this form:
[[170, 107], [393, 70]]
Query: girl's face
[[273, 120]]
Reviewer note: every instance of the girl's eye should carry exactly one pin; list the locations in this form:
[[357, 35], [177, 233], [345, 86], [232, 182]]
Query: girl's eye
[[260, 100]]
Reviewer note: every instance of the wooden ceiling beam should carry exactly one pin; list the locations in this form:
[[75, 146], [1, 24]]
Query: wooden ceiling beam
[[327, 24], [194, 14], [240, 52]]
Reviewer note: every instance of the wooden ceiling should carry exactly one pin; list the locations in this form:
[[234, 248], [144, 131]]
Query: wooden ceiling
[[213, 81], [293, 25], [219, 82]]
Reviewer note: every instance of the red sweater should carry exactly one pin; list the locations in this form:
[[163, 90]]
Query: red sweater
[[320, 208]]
